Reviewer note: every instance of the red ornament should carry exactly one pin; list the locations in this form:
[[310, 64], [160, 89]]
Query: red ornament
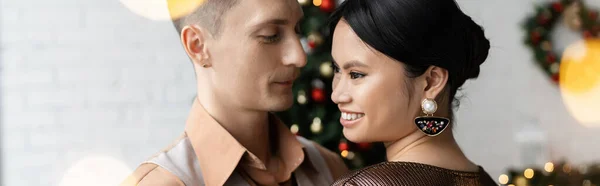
[[555, 78], [587, 34], [558, 7], [318, 95], [535, 37], [327, 5], [550, 58], [343, 146], [312, 44], [593, 15], [364, 146]]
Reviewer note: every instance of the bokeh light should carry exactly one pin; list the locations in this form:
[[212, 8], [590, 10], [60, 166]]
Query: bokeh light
[[303, 2], [317, 2], [162, 9], [528, 173], [96, 171], [316, 126], [549, 167], [580, 81], [503, 179], [344, 153], [294, 128]]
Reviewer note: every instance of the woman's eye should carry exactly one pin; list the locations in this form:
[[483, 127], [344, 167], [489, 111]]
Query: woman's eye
[[356, 75]]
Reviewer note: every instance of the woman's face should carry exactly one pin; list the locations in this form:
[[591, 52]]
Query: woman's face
[[372, 91]]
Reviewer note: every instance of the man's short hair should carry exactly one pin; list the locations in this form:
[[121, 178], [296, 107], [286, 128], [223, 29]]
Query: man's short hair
[[208, 15]]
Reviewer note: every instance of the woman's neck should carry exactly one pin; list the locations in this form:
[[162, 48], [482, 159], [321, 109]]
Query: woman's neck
[[441, 151]]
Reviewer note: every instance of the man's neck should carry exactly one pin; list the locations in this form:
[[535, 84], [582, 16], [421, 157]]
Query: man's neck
[[250, 128], [441, 151]]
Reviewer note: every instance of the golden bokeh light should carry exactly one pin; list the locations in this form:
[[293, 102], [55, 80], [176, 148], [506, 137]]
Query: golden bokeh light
[[344, 153], [528, 173], [549, 167], [294, 129], [580, 81], [326, 69], [316, 126], [302, 97], [160, 10], [180, 8], [317, 2], [503, 179]]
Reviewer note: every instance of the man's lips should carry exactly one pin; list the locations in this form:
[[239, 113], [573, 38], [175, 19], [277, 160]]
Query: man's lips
[[285, 82]]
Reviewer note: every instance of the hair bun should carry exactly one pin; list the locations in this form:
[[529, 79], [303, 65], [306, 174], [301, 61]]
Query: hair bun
[[477, 49]]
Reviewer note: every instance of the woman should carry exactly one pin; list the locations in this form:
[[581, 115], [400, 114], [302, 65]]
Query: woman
[[398, 65]]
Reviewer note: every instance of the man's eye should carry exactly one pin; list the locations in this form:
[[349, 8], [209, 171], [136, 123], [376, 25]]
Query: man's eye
[[271, 38]]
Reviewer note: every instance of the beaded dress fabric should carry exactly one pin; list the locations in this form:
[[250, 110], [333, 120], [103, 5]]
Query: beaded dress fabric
[[413, 174]]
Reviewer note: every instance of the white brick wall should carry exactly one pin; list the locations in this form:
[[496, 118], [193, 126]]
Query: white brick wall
[[86, 78]]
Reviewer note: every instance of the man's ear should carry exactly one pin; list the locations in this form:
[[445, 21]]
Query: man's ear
[[435, 81], [193, 39]]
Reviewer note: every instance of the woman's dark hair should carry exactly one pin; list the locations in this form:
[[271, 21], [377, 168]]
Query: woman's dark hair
[[419, 33]]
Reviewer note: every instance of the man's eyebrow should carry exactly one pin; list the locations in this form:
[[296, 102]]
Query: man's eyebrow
[[275, 21]]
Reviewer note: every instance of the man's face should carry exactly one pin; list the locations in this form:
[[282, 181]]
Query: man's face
[[257, 55]]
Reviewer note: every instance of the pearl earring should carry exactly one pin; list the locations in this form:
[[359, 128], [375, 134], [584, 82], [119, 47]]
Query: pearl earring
[[428, 124], [429, 106]]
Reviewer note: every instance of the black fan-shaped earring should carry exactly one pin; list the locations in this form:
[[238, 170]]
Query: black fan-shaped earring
[[429, 124]]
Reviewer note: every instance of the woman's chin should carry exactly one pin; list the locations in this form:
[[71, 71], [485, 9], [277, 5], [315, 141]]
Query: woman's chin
[[354, 135]]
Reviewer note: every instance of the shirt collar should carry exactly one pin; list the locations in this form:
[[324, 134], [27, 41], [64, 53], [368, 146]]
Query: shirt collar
[[219, 153]]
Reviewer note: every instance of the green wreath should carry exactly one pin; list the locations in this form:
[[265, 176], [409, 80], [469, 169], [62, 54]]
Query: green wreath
[[539, 28]]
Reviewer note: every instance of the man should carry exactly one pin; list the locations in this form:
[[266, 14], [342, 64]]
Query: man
[[246, 54]]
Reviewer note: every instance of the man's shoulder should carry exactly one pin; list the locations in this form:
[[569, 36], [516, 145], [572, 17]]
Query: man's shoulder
[[149, 174], [172, 145]]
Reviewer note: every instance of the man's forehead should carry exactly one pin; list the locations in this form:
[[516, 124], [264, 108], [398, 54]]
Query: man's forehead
[[253, 12]]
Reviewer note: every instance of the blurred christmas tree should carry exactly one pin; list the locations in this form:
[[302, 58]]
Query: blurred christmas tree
[[314, 116], [561, 173]]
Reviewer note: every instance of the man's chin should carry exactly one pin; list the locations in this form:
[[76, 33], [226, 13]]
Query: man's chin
[[279, 104]]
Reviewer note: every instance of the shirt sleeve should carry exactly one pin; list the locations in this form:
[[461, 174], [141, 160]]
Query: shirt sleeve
[[152, 175], [334, 162]]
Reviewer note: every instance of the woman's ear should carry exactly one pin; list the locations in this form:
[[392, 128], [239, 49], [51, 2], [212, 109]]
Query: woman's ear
[[435, 81]]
